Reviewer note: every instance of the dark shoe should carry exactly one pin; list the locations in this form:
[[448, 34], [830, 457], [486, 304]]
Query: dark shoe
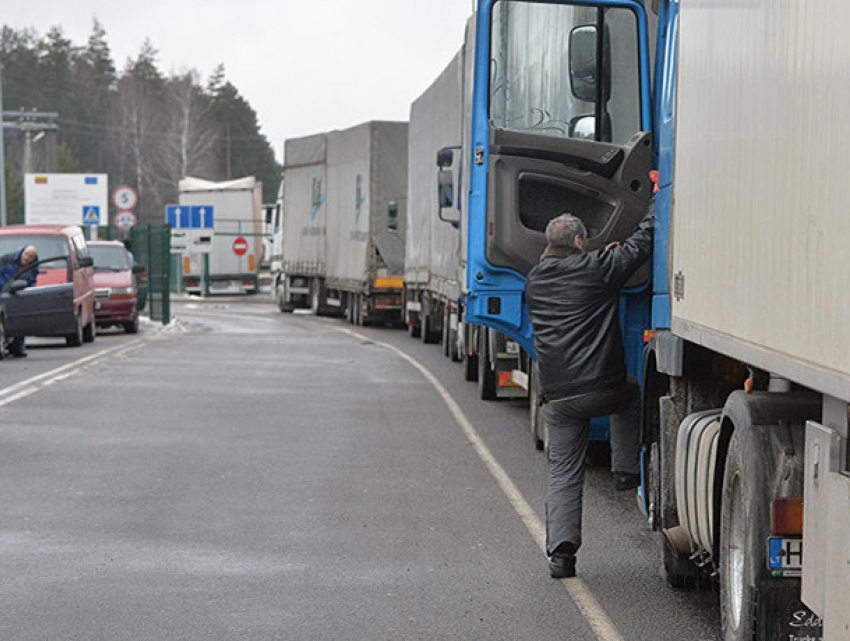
[[562, 565], [626, 481]]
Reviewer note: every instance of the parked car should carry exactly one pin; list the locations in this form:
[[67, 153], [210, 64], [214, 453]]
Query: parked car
[[115, 285], [63, 301]]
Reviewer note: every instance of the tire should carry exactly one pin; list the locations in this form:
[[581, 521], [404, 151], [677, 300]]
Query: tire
[[282, 305], [132, 327], [90, 332], [358, 311], [469, 362], [2, 338], [486, 374], [75, 339], [426, 322], [444, 334], [316, 297], [454, 348], [535, 415], [349, 309]]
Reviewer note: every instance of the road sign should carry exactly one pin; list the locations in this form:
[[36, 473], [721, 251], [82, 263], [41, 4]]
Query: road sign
[[240, 246], [65, 199], [190, 216], [125, 220], [91, 215], [124, 198], [202, 216], [179, 241]]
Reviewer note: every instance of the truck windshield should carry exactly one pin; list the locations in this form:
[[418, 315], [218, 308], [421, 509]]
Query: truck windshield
[[544, 71]]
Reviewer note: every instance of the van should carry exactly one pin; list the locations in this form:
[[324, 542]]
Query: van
[[62, 303]]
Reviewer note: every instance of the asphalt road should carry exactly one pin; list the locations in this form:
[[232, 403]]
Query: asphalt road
[[245, 474]]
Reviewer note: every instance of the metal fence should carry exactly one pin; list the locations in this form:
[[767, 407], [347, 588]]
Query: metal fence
[[151, 247]]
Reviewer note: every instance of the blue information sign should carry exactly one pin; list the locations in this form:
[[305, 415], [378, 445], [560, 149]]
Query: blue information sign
[[190, 217]]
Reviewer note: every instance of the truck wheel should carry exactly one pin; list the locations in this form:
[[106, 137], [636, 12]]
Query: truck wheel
[[486, 374], [534, 411], [316, 305], [444, 335], [75, 339], [452, 333], [744, 528], [470, 362], [426, 322], [282, 305]]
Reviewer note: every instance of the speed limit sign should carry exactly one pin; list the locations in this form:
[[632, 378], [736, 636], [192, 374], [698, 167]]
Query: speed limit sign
[[124, 198]]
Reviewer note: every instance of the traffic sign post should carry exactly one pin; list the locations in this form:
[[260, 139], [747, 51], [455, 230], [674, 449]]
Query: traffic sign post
[[196, 226]]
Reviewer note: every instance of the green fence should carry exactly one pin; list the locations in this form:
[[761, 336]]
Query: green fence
[[151, 247]]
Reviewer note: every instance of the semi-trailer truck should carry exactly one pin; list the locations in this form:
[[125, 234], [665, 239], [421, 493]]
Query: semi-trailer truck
[[431, 271], [232, 265], [343, 223], [745, 355]]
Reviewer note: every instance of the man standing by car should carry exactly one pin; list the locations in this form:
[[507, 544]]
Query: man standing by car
[[573, 299], [14, 266]]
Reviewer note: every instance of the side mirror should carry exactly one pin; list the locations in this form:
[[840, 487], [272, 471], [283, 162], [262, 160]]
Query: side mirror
[[392, 216], [139, 269], [86, 261], [446, 188], [445, 158], [585, 70], [17, 285]]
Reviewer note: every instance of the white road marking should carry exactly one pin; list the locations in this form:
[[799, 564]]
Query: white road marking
[[581, 595], [31, 385]]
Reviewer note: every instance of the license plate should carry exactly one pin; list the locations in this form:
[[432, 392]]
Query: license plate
[[785, 556]]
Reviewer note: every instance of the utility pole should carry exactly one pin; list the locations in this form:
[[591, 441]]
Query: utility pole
[[2, 158], [42, 124]]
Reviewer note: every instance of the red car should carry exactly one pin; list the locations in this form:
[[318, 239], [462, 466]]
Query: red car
[[115, 285], [62, 302]]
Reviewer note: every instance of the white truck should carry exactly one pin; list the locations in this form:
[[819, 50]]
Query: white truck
[[431, 271], [300, 229], [231, 267], [343, 223]]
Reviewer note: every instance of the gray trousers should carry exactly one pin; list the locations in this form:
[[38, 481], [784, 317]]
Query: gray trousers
[[568, 422]]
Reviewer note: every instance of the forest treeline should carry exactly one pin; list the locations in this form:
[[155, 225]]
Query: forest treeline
[[140, 126]]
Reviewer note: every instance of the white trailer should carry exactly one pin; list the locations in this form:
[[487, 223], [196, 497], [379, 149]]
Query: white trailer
[[232, 265], [431, 273], [299, 236], [367, 189]]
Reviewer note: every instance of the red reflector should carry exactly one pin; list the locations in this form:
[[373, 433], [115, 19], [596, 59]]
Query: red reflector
[[648, 335], [786, 517], [491, 229]]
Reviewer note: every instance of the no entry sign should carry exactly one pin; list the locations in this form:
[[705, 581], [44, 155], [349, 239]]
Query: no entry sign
[[240, 246]]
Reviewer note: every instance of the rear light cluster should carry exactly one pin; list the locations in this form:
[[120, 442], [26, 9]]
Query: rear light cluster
[[387, 301]]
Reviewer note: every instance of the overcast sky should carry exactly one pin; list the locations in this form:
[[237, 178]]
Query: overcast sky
[[306, 66]]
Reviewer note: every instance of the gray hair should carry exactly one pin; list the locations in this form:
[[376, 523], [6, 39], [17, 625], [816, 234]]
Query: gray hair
[[562, 230]]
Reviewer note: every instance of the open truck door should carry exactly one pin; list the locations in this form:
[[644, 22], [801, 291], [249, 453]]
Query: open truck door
[[561, 120]]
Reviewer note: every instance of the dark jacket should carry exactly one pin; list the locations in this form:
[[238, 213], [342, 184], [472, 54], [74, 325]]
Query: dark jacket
[[573, 298], [10, 265]]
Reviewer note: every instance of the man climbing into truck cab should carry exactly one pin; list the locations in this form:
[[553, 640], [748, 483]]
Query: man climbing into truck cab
[[573, 299]]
